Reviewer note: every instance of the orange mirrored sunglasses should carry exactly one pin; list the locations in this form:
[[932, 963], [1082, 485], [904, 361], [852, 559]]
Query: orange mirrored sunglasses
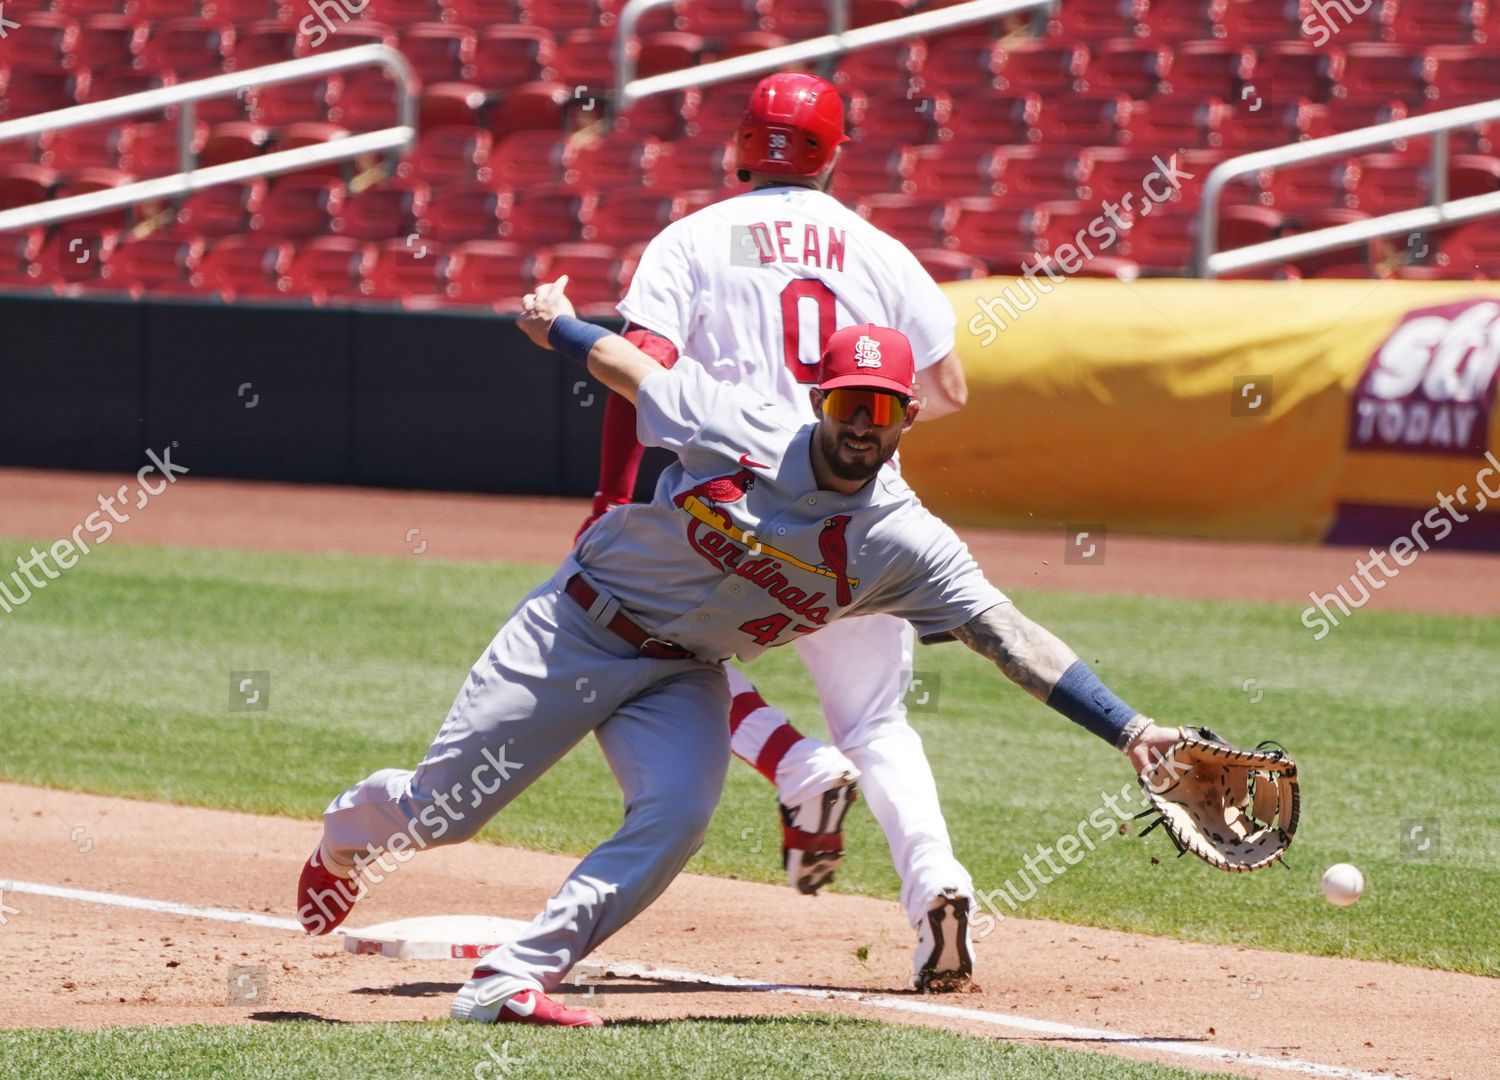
[[844, 403]]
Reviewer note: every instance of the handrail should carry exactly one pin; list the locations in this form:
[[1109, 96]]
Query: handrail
[[629, 89], [394, 140], [1441, 209]]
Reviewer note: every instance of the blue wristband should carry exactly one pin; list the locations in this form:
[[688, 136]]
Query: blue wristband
[[573, 338], [1083, 699]]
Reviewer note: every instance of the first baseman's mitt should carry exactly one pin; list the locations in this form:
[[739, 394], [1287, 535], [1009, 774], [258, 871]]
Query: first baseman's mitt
[[1234, 809]]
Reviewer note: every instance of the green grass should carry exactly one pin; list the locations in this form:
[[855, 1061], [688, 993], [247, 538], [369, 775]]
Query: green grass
[[116, 679], [814, 1046]]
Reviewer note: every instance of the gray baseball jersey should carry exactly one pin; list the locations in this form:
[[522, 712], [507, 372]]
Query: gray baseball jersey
[[768, 555]]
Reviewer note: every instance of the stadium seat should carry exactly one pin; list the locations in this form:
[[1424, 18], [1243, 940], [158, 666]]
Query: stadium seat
[[551, 214], [82, 9], [916, 222], [1340, 262], [595, 275], [451, 103], [562, 16], [1099, 20], [404, 13], [586, 58], [798, 19], [369, 101], [18, 254], [440, 52], [1290, 71], [532, 106], [1161, 242], [875, 64], [964, 61], [355, 34], [461, 212], [751, 41], [74, 253], [395, 209], [1213, 69], [300, 206], [531, 157], [670, 116], [1173, 21], [109, 41], [95, 145], [140, 266], [900, 116], [994, 231], [1472, 249], [614, 160], [1316, 185], [945, 265], [234, 141], [1130, 66], [1465, 74], [870, 168], [1044, 173], [222, 210], [24, 183], [956, 170], [1241, 226], [246, 267], [1042, 66], [495, 274], [1376, 72], [44, 39], [1119, 171], [985, 116], [507, 56], [450, 154], [693, 163], [725, 18], [669, 50], [1258, 22], [870, 12], [312, 100], [194, 48], [1174, 122], [162, 10], [487, 13], [35, 89], [330, 268], [1435, 22], [269, 41], [412, 272], [1086, 120], [117, 82], [1275, 123], [630, 217], [721, 107], [153, 149]]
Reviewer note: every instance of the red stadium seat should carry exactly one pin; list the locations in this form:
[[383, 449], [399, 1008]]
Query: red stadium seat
[[993, 230], [75, 253], [957, 170], [875, 64], [533, 106], [671, 116], [393, 210], [450, 154], [1293, 70], [1178, 122], [1172, 21], [1471, 249], [725, 18], [1315, 185], [1465, 74], [1241, 226], [1259, 22], [507, 56], [671, 50], [1081, 225], [551, 214], [1340, 261], [451, 103], [1086, 120], [630, 217], [33, 89], [18, 254], [300, 206], [269, 41], [1118, 172], [1161, 242], [722, 106], [369, 101], [614, 160], [234, 141], [109, 41], [870, 12], [463, 212], [413, 272], [299, 102], [193, 48], [1130, 66], [1099, 20], [1275, 123], [871, 168], [693, 163], [585, 58], [1043, 66], [1436, 22], [86, 180], [905, 116], [315, 133], [531, 157], [799, 19], [22, 184], [162, 10], [403, 13], [44, 39], [984, 116], [82, 9], [1215, 69], [246, 267], [360, 32], [562, 16], [967, 60], [916, 222], [139, 266], [595, 275], [1375, 72], [490, 13], [495, 273], [751, 41], [330, 268], [96, 145], [153, 149], [440, 52], [118, 82], [222, 210], [1044, 173], [944, 265]]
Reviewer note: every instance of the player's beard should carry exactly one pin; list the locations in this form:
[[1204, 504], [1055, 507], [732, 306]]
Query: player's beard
[[860, 467]]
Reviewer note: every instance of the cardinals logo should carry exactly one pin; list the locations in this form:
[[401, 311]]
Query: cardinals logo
[[866, 352], [835, 551], [716, 491]]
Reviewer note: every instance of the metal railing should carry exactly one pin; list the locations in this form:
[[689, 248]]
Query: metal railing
[[628, 89], [1441, 211], [393, 141]]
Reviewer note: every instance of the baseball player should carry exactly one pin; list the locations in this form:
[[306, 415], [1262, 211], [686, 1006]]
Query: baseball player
[[751, 288], [628, 641]]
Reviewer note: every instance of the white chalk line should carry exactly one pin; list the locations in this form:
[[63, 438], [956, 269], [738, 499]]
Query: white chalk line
[[1199, 1051]]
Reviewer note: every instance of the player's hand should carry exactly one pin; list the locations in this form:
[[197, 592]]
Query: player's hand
[[1152, 743], [540, 309]]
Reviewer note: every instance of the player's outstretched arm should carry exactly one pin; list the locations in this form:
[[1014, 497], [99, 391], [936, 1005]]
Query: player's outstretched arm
[[547, 318], [1040, 662]]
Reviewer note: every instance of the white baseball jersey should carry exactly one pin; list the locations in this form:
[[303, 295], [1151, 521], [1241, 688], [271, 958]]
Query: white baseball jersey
[[753, 286], [739, 550]]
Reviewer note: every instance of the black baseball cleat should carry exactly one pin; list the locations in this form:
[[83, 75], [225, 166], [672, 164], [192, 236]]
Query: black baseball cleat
[[944, 958], [812, 838]]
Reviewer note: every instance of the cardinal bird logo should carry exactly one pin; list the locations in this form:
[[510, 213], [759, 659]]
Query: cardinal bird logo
[[718, 490], [835, 551]]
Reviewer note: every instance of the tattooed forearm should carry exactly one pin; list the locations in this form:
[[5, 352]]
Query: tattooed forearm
[[1030, 655]]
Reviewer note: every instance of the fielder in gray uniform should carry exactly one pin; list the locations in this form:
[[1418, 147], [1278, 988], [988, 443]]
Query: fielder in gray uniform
[[762, 531]]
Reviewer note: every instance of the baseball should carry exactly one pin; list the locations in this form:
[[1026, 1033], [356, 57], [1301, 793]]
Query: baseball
[[1343, 884]]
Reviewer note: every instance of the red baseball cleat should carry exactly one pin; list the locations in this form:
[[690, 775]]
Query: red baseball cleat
[[525, 1007], [323, 898]]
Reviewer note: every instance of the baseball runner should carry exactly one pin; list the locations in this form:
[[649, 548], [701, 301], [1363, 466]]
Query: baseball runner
[[751, 288], [765, 530]]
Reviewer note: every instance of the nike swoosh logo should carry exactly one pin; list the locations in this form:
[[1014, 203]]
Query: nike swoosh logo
[[745, 460], [515, 1006]]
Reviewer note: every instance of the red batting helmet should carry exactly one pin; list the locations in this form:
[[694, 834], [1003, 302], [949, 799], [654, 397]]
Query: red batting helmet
[[792, 127]]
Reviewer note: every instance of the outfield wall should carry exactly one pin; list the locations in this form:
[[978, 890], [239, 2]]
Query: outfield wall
[[1317, 410], [1312, 411]]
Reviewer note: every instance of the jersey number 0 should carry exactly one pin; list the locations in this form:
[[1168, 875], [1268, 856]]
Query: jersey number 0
[[791, 324]]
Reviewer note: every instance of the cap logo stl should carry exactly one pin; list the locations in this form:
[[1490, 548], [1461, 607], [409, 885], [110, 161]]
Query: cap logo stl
[[866, 352]]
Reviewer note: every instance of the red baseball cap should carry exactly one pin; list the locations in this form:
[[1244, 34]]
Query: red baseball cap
[[870, 357]]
